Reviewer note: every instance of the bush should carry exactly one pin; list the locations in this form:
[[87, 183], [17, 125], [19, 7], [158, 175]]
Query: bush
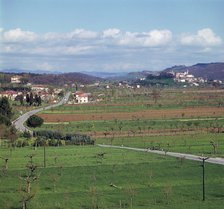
[[4, 120], [34, 121], [56, 138]]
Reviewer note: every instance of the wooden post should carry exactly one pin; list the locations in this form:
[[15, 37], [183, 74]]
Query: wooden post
[[203, 176]]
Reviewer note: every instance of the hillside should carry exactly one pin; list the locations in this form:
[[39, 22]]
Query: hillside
[[53, 79], [206, 70], [61, 79]]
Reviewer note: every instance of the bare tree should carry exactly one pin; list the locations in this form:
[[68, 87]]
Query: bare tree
[[155, 95], [131, 191], [5, 166], [215, 146], [29, 178]]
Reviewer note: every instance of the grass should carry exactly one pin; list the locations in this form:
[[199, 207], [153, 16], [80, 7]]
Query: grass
[[76, 177], [134, 125], [80, 179], [199, 144]]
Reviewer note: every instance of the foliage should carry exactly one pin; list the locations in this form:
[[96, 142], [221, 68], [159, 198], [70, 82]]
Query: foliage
[[5, 120], [34, 121], [78, 169], [5, 108], [70, 139]]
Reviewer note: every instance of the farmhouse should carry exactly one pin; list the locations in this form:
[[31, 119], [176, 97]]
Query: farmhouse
[[40, 88], [10, 94], [81, 97], [16, 79]]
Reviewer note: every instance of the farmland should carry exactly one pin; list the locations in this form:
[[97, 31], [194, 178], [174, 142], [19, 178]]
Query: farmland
[[77, 177], [92, 177]]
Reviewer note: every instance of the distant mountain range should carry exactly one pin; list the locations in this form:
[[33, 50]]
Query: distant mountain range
[[206, 70], [213, 71]]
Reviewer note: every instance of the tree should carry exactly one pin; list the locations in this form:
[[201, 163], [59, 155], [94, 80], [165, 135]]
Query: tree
[[34, 121], [19, 98], [4, 120], [5, 108], [31, 99], [155, 95], [27, 98], [39, 101]]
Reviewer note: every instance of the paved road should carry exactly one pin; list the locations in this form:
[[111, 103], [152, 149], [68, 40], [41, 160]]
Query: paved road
[[19, 122], [213, 160]]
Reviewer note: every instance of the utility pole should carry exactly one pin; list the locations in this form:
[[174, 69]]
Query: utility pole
[[203, 176], [44, 154]]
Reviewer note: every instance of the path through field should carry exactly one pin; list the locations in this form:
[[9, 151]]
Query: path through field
[[212, 160]]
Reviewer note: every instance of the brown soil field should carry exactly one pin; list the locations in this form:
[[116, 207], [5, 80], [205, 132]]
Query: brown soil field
[[147, 114], [163, 132]]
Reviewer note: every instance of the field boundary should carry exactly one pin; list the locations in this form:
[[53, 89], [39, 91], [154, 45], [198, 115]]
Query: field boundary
[[219, 161]]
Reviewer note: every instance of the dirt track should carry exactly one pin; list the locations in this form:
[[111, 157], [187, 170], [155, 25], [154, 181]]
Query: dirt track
[[148, 114]]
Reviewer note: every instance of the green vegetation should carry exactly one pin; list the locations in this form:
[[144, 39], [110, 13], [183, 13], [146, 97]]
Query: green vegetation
[[137, 125], [34, 121], [81, 177], [41, 172]]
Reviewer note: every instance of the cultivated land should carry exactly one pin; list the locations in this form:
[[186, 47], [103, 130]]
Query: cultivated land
[[187, 121], [77, 177]]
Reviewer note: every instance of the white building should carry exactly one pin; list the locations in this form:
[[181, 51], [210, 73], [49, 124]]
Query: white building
[[16, 79], [81, 97]]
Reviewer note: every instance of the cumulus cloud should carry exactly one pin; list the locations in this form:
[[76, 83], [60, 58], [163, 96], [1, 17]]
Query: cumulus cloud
[[109, 49], [83, 34], [142, 39], [18, 35], [111, 33], [204, 37]]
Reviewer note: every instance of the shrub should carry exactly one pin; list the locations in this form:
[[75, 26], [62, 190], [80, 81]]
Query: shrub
[[56, 138], [34, 121]]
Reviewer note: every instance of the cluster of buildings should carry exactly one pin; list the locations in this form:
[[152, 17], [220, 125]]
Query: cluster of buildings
[[185, 77], [46, 93]]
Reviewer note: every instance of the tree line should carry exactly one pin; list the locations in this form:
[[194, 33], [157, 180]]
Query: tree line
[[57, 137], [30, 99]]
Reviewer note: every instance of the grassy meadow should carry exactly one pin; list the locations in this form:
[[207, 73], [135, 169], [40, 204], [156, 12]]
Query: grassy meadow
[[92, 177], [78, 177]]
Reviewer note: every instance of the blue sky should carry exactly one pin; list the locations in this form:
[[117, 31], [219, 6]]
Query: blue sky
[[109, 35]]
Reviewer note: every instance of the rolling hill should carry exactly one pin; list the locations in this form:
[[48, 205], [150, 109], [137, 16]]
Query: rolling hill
[[212, 71]]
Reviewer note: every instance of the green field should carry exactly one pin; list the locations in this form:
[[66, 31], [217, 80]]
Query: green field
[[75, 177], [134, 125], [92, 177], [199, 143]]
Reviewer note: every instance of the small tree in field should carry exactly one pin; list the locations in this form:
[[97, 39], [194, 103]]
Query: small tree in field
[[34, 121]]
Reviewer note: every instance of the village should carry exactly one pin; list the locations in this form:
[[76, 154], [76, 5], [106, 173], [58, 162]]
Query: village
[[46, 93]]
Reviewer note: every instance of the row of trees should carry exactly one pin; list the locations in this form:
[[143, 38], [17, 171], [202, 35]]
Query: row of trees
[[70, 139], [30, 99]]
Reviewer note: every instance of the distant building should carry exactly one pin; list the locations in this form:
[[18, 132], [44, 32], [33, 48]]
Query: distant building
[[16, 79], [82, 97], [39, 88], [10, 94]]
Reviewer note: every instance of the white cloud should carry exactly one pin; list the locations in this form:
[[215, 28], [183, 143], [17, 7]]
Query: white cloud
[[146, 39], [83, 34], [158, 37], [18, 35], [204, 37], [111, 33], [109, 49]]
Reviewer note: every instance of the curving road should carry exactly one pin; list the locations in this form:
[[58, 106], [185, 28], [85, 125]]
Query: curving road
[[19, 122], [212, 160]]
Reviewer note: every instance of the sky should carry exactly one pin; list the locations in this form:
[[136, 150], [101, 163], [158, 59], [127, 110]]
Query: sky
[[109, 35]]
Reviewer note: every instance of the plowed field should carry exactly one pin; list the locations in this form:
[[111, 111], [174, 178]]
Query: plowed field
[[146, 114]]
